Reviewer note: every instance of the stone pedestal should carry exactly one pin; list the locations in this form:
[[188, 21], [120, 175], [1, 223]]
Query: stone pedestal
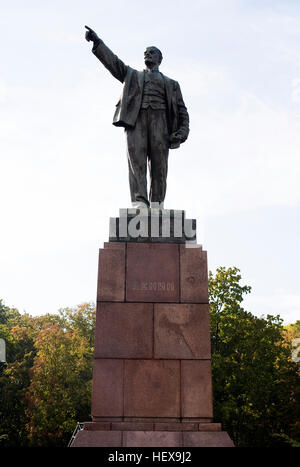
[[152, 382]]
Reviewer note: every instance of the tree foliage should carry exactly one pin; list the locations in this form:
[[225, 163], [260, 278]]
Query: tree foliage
[[60, 386], [45, 386], [255, 382]]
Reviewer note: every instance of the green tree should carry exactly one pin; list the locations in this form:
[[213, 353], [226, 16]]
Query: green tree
[[293, 331], [60, 387], [80, 318], [255, 382], [14, 380], [23, 401]]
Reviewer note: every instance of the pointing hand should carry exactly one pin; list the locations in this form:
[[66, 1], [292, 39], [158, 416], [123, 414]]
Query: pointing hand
[[90, 35]]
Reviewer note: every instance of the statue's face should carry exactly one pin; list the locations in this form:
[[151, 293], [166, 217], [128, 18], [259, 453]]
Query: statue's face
[[152, 56]]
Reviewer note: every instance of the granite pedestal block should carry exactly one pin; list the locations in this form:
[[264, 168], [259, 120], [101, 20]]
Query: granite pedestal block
[[152, 382]]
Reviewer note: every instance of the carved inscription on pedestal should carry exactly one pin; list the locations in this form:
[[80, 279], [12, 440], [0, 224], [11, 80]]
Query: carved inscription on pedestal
[[152, 273], [154, 286]]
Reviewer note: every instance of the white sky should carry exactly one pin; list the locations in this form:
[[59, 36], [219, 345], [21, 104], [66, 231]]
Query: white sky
[[63, 168]]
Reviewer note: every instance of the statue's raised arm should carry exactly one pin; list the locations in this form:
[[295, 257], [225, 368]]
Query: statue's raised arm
[[117, 68]]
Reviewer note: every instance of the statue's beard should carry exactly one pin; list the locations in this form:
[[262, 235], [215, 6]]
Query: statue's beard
[[149, 63]]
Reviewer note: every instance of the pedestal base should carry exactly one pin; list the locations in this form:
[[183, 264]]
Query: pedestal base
[[144, 434]]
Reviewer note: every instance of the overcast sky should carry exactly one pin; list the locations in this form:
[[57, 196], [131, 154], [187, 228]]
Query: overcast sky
[[63, 164]]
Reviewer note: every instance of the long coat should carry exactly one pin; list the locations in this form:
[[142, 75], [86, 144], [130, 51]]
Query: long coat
[[128, 107]]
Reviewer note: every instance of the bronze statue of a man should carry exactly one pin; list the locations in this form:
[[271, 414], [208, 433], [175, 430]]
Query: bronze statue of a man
[[155, 118]]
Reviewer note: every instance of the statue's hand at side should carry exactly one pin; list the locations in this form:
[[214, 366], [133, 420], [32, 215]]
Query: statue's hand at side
[[175, 140], [90, 35]]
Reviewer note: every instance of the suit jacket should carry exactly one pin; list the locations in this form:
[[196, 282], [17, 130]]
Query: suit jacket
[[128, 107]]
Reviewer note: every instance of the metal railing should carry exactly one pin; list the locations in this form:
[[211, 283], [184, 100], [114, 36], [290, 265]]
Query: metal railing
[[79, 427]]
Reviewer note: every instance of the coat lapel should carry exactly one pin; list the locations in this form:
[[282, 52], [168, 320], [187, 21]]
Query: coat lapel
[[168, 93], [141, 79]]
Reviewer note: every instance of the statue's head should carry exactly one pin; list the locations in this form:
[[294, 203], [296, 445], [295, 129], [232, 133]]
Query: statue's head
[[152, 56]]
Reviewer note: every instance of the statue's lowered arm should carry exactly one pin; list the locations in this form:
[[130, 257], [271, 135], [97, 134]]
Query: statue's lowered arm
[[183, 117]]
